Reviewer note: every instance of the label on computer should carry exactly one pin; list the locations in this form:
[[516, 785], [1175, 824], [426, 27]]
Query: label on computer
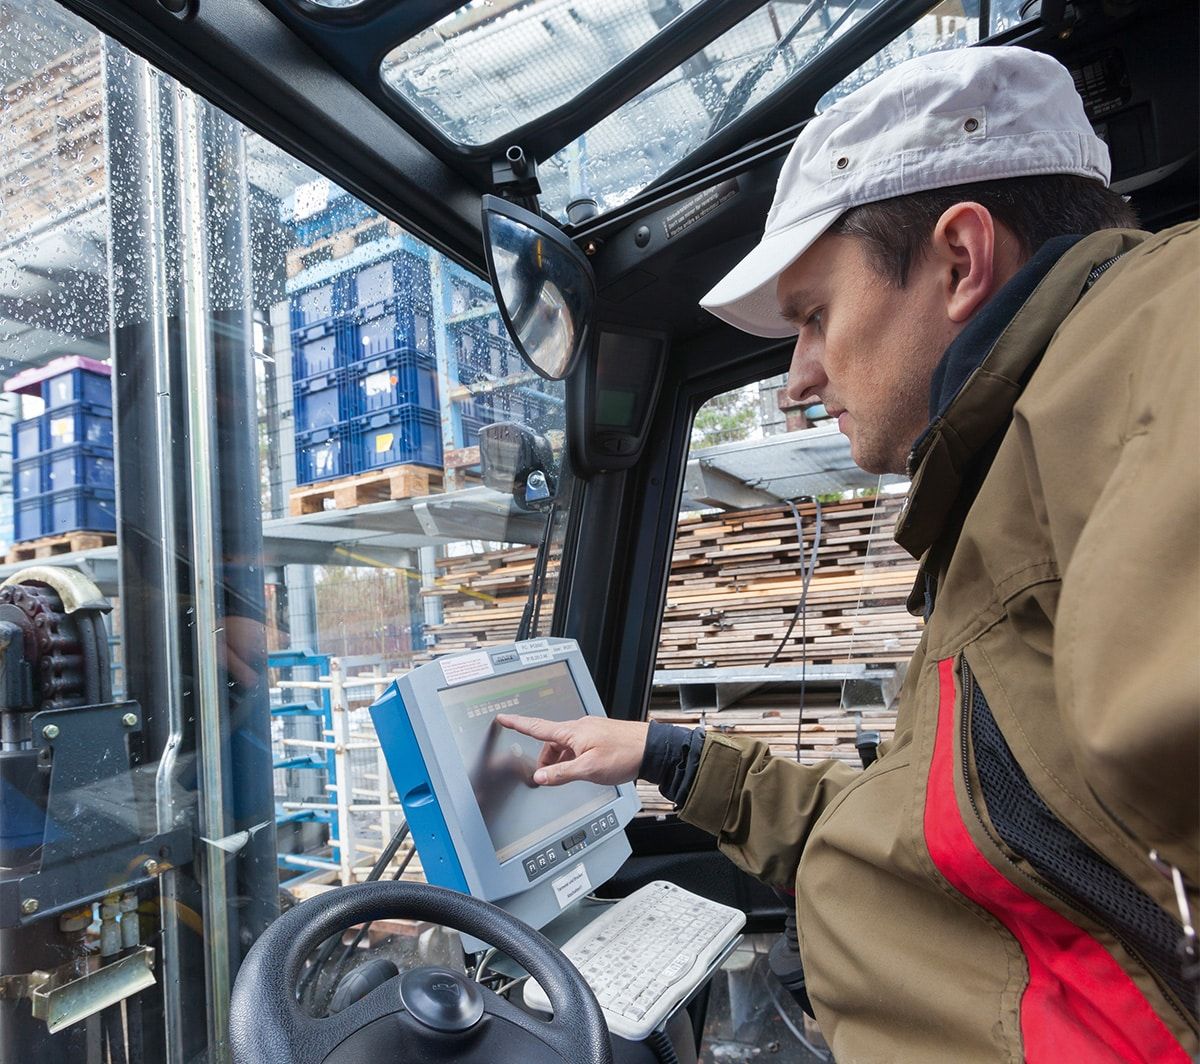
[[574, 885], [534, 652], [463, 667]]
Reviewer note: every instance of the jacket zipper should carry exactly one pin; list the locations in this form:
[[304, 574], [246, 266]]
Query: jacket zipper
[[967, 684]]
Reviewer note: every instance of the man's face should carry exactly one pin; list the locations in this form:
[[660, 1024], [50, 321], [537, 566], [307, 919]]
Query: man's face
[[866, 348]]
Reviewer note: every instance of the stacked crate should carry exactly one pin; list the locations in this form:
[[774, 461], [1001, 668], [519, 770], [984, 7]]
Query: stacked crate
[[364, 378], [501, 387], [375, 366], [323, 341], [63, 470], [393, 376]]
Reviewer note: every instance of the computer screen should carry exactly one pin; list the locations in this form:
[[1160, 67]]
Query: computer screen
[[480, 824], [500, 763]]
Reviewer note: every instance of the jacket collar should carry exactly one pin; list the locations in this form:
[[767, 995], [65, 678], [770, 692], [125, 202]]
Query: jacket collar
[[983, 372]]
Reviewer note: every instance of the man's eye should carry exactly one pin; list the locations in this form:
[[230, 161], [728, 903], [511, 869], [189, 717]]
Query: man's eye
[[815, 319]]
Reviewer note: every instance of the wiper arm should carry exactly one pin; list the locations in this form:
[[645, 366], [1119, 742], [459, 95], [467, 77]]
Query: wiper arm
[[741, 92]]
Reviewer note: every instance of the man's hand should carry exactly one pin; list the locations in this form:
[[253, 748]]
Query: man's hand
[[590, 748]]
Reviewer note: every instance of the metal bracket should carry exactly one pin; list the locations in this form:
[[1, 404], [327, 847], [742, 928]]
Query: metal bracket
[[94, 842], [63, 997], [515, 178]]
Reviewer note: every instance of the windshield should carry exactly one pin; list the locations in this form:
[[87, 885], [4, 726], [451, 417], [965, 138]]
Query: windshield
[[489, 68], [494, 65], [240, 491]]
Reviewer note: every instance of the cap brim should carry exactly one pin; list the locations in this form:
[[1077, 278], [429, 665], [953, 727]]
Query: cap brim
[[745, 297]]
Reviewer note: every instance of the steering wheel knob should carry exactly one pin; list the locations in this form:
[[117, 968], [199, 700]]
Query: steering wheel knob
[[442, 999]]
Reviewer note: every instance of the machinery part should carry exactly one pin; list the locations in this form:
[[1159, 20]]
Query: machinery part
[[267, 1023], [97, 845], [63, 997], [75, 591]]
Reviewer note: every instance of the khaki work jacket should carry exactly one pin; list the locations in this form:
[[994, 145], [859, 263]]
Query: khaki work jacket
[[984, 891]]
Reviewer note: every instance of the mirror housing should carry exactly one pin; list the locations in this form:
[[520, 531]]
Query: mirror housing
[[518, 462], [544, 287]]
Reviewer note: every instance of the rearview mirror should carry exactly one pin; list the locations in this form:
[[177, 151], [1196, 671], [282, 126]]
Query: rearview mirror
[[544, 286]]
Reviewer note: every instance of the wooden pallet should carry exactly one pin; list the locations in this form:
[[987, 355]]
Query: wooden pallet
[[339, 244], [382, 485], [67, 543]]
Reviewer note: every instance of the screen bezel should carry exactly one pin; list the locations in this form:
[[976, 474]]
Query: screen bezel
[[485, 876]]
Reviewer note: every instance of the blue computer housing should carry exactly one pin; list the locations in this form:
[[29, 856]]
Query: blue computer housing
[[479, 824]]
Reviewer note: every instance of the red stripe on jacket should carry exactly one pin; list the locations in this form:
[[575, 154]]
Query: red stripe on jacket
[[1079, 1005]]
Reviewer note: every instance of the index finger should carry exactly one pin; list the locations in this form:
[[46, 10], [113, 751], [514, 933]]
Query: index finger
[[546, 730]]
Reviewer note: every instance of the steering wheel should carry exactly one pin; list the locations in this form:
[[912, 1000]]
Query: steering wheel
[[421, 1016]]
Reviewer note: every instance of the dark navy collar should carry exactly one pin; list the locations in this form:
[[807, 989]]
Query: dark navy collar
[[972, 345]]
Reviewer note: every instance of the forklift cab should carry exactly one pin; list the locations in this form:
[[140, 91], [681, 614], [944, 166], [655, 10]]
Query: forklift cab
[[340, 337]]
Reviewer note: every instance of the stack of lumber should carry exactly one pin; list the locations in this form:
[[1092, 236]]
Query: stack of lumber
[[826, 726], [734, 586], [736, 580], [483, 597]]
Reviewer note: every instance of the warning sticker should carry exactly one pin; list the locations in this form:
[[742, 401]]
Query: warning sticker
[[691, 211], [575, 884], [464, 667]]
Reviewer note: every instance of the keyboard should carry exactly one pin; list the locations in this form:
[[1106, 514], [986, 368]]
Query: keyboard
[[645, 954]]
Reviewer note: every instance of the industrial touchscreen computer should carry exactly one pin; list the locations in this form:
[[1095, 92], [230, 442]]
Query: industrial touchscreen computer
[[480, 823]]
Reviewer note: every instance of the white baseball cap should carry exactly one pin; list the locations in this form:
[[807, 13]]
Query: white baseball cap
[[950, 118]]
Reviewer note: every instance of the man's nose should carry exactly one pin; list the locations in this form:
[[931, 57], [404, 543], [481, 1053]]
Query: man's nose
[[806, 377]]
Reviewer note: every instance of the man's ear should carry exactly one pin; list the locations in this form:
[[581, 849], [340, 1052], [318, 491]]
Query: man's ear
[[963, 246]]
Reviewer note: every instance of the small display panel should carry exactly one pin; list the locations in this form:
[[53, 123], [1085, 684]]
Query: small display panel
[[500, 763], [627, 366]]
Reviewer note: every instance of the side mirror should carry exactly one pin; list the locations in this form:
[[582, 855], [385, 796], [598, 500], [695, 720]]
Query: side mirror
[[544, 286], [517, 461]]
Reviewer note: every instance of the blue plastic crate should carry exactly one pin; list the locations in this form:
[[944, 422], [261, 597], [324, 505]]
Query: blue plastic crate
[[79, 466], [27, 437], [403, 435], [469, 429], [393, 380], [403, 277], [321, 303], [321, 348], [321, 401], [479, 407], [323, 454], [29, 476], [77, 386], [29, 518], [81, 509], [78, 423], [395, 325], [483, 353]]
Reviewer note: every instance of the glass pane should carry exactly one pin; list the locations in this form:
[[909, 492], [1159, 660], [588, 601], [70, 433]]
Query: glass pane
[[494, 65], [629, 149], [951, 24], [266, 458], [785, 615], [1004, 14]]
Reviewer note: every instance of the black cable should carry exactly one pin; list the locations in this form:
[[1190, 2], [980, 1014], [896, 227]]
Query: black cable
[[801, 611], [533, 602], [806, 572], [309, 978], [348, 952], [664, 1048]]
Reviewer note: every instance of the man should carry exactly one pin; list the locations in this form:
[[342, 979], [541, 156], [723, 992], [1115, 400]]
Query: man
[[970, 300]]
